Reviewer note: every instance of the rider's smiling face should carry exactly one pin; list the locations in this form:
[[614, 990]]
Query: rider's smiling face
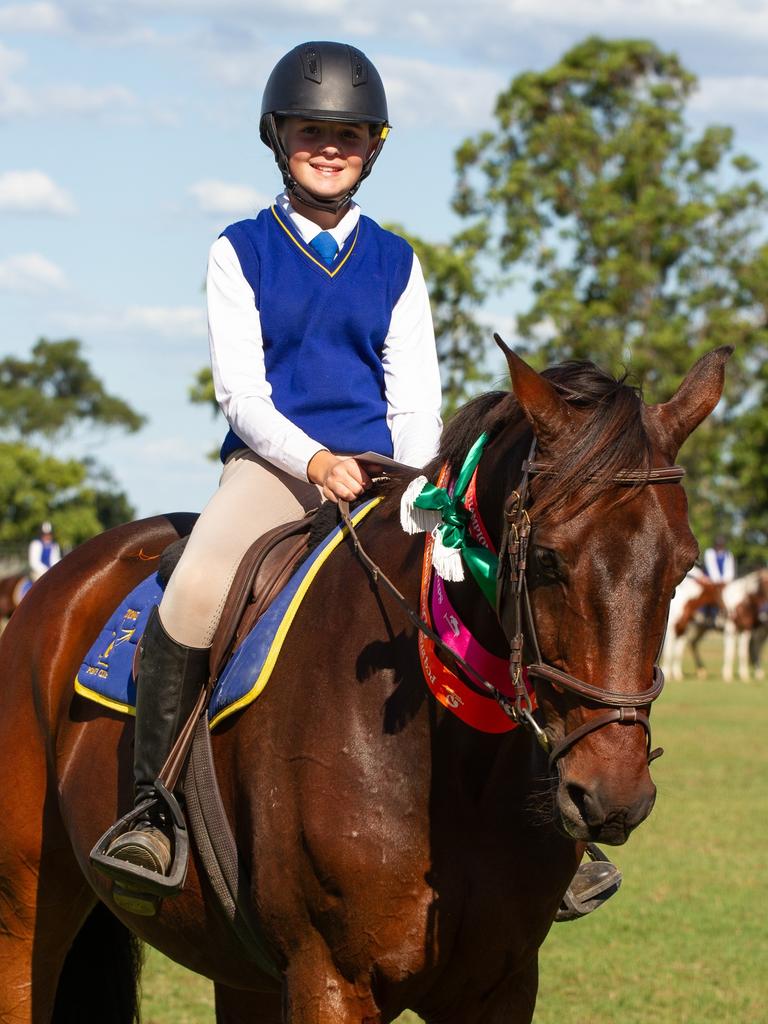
[[326, 157]]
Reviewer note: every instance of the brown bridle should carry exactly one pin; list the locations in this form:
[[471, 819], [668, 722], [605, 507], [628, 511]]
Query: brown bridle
[[515, 614]]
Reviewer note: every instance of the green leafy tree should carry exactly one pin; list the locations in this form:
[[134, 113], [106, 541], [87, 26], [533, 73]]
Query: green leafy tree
[[54, 392], [637, 237], [46, 399], [747, 449], [457, 288], [35, 486], [201, 392]]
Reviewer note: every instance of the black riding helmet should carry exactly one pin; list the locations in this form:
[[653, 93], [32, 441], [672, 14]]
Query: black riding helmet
[[323, 82]]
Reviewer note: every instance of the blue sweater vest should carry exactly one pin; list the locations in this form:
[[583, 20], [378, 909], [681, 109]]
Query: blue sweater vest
[[324, 328]]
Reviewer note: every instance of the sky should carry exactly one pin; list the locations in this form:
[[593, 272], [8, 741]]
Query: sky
[[129, 140]]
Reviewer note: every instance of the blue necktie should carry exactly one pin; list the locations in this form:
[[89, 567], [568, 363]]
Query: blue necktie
[[325, 246]]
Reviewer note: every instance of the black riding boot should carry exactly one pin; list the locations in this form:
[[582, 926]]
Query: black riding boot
[[594, 883], [168, 685]]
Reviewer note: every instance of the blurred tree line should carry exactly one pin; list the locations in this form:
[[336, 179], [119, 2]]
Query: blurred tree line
[[44, 401], [639, 242]]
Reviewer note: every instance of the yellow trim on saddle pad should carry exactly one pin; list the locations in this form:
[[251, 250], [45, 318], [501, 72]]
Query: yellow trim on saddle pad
[[98, 698], [290, 613]]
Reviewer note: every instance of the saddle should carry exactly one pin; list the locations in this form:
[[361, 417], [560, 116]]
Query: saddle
[[264, 570], [266, 567]]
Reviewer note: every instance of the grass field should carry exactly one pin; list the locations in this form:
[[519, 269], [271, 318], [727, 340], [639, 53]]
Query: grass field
[[686, 940]]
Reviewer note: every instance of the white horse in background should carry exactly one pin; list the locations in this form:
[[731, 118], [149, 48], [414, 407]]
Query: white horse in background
[[742, 603], [696, 591]]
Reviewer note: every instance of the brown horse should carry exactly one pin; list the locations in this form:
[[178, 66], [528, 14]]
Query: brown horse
[[10, 596], [397, 858]]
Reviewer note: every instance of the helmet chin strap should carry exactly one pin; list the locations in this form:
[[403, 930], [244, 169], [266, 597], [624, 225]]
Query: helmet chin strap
[[293, 188]]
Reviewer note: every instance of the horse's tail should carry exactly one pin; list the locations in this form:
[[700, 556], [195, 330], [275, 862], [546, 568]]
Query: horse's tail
[[99, 982]]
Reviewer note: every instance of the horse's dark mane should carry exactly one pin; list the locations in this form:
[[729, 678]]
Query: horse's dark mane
[[612, 439]]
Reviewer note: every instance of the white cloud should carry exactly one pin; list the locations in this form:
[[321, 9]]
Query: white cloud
[[10, 62], [421, 93], [722, 96], [739, 17], [172, 451], [227, 197], [165, 321], [30, 272], [33, 192], [490, 25], [33, 17], [17, 100], [168, 321]]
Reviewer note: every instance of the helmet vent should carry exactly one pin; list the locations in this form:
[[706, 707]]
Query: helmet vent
[[359, 67], [312, 64]]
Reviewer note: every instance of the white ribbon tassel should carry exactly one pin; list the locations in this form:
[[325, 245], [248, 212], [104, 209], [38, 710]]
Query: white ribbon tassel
[[417, 520], [447, 562]]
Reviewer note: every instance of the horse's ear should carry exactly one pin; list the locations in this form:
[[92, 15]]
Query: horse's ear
[[693, 401], [546, 411]]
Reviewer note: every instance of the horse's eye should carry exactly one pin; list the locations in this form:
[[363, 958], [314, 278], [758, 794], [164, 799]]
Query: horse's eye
[[548, 563]]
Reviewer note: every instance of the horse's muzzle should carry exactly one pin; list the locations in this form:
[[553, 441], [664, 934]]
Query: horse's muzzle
[[597, 813]]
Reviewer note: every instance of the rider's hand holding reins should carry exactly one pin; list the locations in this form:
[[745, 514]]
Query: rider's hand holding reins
[[340, 477]]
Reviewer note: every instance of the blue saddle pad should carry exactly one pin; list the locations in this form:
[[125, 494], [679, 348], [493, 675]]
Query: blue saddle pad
[[106, 674]]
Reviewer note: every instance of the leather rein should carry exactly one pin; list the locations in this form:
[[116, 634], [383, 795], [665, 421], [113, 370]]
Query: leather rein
[[516, 618]]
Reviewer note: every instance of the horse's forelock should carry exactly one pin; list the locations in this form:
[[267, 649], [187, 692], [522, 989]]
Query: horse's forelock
[[612, 437], [611, 440]]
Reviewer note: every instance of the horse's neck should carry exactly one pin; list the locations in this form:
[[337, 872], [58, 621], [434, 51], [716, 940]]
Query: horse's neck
[[477, 772]]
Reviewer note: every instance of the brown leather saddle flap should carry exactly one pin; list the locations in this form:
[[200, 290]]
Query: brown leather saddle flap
[[265, 568]]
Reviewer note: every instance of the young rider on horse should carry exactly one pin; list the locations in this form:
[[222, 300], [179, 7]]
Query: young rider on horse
[[322, 346], [43, 552]]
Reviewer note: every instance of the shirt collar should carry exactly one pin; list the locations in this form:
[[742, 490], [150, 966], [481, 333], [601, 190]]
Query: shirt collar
[[308, 229]]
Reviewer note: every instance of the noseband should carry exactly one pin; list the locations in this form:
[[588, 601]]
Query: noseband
[[515, 613]]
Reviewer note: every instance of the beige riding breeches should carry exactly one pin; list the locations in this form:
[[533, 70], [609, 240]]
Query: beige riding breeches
[[253, 497]]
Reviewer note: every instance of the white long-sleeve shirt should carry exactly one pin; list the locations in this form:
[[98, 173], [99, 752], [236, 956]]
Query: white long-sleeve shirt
[[35, 558], [409, 358], [728, 572]]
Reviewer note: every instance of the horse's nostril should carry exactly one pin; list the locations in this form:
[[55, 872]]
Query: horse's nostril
[[578, 797], [587, 803]]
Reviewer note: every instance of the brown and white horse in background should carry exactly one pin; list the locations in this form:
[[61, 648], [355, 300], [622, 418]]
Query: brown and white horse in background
[[742, 603], [695, 592], [745, 600]]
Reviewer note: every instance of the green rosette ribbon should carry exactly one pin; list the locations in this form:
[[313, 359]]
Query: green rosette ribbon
[[454, 529]]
